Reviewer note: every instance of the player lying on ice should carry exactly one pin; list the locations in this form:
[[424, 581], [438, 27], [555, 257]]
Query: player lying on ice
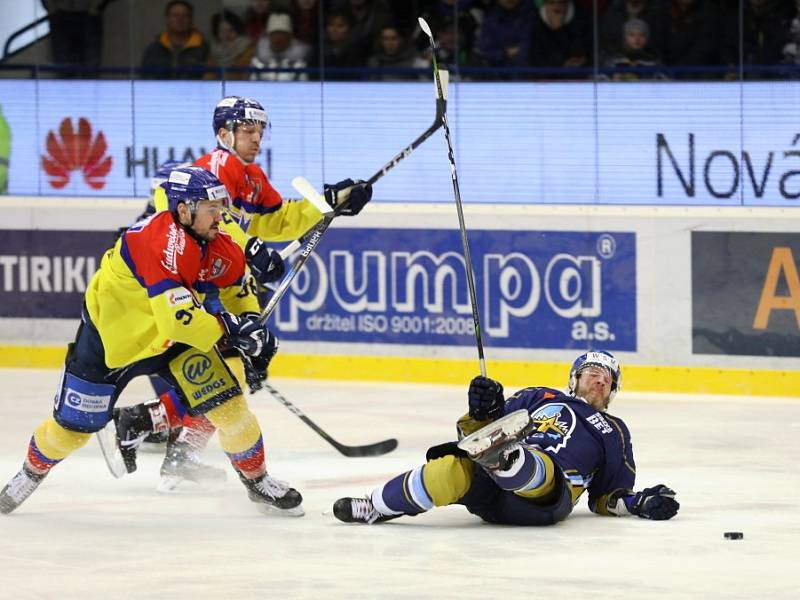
[[527, 460], [165, 297]]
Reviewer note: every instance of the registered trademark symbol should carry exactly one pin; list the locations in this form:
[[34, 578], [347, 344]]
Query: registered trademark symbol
[[606, 246]]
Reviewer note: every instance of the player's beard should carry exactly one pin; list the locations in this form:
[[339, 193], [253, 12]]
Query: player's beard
[[212, 233], [597, 398], [209, 235]]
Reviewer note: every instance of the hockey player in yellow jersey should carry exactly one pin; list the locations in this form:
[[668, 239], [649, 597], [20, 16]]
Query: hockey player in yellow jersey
[[256, 216], [165, 298]]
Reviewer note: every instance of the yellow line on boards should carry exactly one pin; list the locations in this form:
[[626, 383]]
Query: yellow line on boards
[[513, 374]]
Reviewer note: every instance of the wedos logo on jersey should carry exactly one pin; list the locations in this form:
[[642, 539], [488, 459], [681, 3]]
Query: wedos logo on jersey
[[197, 369], [553, 425], [71, 150]]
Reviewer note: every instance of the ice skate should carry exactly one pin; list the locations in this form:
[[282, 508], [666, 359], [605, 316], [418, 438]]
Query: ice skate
[[155, 443], [121, 437], [182, 463], [359, 510], [274, 496], [488, 445], [18, 489]]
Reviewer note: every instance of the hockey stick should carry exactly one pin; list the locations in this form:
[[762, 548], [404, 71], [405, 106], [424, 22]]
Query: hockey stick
[[375, 449], [312, 237], [462, 226]]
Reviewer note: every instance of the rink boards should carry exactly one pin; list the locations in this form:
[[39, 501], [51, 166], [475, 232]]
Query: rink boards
[[690, 299]]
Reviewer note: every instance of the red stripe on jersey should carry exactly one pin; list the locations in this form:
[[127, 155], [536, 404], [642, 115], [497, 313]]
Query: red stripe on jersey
[[162, 252]]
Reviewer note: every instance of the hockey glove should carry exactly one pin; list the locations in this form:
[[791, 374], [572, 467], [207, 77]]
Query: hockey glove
[[485, 398], [446, 449], [657, 503], [264, 262], [247, 335], [255, 371], [355, 194]]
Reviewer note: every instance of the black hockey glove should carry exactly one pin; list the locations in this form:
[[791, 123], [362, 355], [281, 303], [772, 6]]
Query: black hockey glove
[[485, 398], [355, 193], [446, 449], [264, 262], [255, 371], [657, 503], [246, 334]]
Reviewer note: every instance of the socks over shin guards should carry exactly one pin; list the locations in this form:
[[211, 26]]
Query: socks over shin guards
[[250, 463], [196, 431], [167, 413], [405, 494], [50, 444], [36, 461]]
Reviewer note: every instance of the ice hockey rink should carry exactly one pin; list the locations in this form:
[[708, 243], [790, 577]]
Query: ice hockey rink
[[86, 535]]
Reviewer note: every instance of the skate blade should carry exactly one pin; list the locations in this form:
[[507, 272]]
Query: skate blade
[[271, 511], [107, 438], [495, 433], [170, 483], [152, 448]]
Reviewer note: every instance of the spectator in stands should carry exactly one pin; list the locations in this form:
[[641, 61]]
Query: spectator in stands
[[461, 19], [652, 12], [230, 46], [179, 49], [452, 51], [394, 52], [305, 19], [255, 18], [76, 34], [368, 18], [505, 34], [279, 49], [791, 51], [693, 34], [338, 49], [765, 26], [634, 61], [561, 37]]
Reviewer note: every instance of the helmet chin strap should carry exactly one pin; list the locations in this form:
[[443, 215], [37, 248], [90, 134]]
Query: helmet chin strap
[[228, 141]]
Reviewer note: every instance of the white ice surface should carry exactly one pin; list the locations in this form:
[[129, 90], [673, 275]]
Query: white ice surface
[[86, 535]]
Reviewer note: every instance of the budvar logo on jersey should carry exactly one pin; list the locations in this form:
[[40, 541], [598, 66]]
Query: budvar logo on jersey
[[76, 149], [535, 289]]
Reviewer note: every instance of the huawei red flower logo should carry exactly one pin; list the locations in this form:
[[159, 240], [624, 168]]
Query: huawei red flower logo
[[71, 150]]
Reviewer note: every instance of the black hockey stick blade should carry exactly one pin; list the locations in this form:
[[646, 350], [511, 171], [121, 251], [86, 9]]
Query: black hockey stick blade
[[376, 449]]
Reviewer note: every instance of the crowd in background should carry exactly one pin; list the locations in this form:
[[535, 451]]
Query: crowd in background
[[477, 39]]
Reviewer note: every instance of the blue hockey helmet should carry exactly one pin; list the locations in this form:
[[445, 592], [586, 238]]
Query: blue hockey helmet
[[190, 185], [233, 111], [161, 175], [598, 358]]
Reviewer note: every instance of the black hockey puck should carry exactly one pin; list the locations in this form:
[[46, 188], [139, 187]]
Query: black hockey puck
[[734, 535]]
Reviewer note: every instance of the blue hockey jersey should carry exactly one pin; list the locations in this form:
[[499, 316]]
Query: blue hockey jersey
[[593, 449]]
